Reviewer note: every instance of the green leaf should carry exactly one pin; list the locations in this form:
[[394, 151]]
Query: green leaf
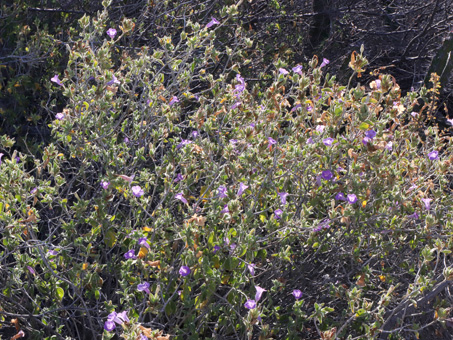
[[110, 238], [60, 293], [364, 126]]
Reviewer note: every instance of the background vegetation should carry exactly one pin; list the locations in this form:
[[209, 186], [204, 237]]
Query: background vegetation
[[201, 171]]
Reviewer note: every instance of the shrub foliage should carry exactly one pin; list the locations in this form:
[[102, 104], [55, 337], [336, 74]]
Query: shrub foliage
[[205, 204]]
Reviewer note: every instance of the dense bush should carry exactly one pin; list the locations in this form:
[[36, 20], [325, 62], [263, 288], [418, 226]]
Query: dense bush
[[173, 202]]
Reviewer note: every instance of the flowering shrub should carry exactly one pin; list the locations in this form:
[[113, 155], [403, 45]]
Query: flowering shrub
[[203, 204]]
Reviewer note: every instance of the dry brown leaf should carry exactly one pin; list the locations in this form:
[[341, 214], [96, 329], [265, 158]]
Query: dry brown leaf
[[21, 334], [361, 281], [15, 322]]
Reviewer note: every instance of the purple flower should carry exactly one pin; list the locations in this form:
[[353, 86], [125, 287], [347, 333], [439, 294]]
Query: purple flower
[[109, 326], [105, 184], [59, 116], [370, 134], [143, 241], [52, 252], [113, 317], [414, 215], [251, 268], [184, 271], [111, 32], [213, 22], [242, 188], [233, 141], [297, 294], [296, 107], [233, 247], [283, 196], [310, 141], [225, 209], [56, 80], [250, 304], [298, 69], [365, 140], [130, 255], [378, 83], [173, 100], [252, 125], [340, 197], [181, 198], [123, 316], [414, 114], [184, 142], [195, 134], [31, 270], [324, 62], [433, 155], [126, 140], [143, 287], [137, 191], [327, 175], [389, 146], [216, 249], [450, 121], [271, 141], [178, 178], [427, 203], [143, 337], [113, 81], [32, 191], [222, 190], [309, 108], [328, 141], [282, 71], [320, 128], [259, 293], [352, 198], [278, 214], [226, 241], [235, 105]]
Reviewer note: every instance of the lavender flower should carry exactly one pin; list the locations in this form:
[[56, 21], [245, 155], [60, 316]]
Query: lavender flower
[[137, 191], [370, 134], [327, 175], [389, 146], [297, 294], [250, 304], [324, 62], [184, 271], [340, 197], [184, 142], [352, 198], [222, 190], [320, 128], [113, 81], [178, 178], [328, 141], [173, 100], [296, 107], [105, 184], [56, 80], [59, 116], [213, 22], [298, 69], [251, 268], [427, 202], [111, 32], [283, 196], [235, 105], [271, 141], [282, 71], [143, 242], [143, 287], [52, 252], [414, 114], [278, 214], [181, 198], [130, 255], [31, 270], [216, 249], [310, 141], [225, 209], [259, 293], [433, 155], [242, 188]]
